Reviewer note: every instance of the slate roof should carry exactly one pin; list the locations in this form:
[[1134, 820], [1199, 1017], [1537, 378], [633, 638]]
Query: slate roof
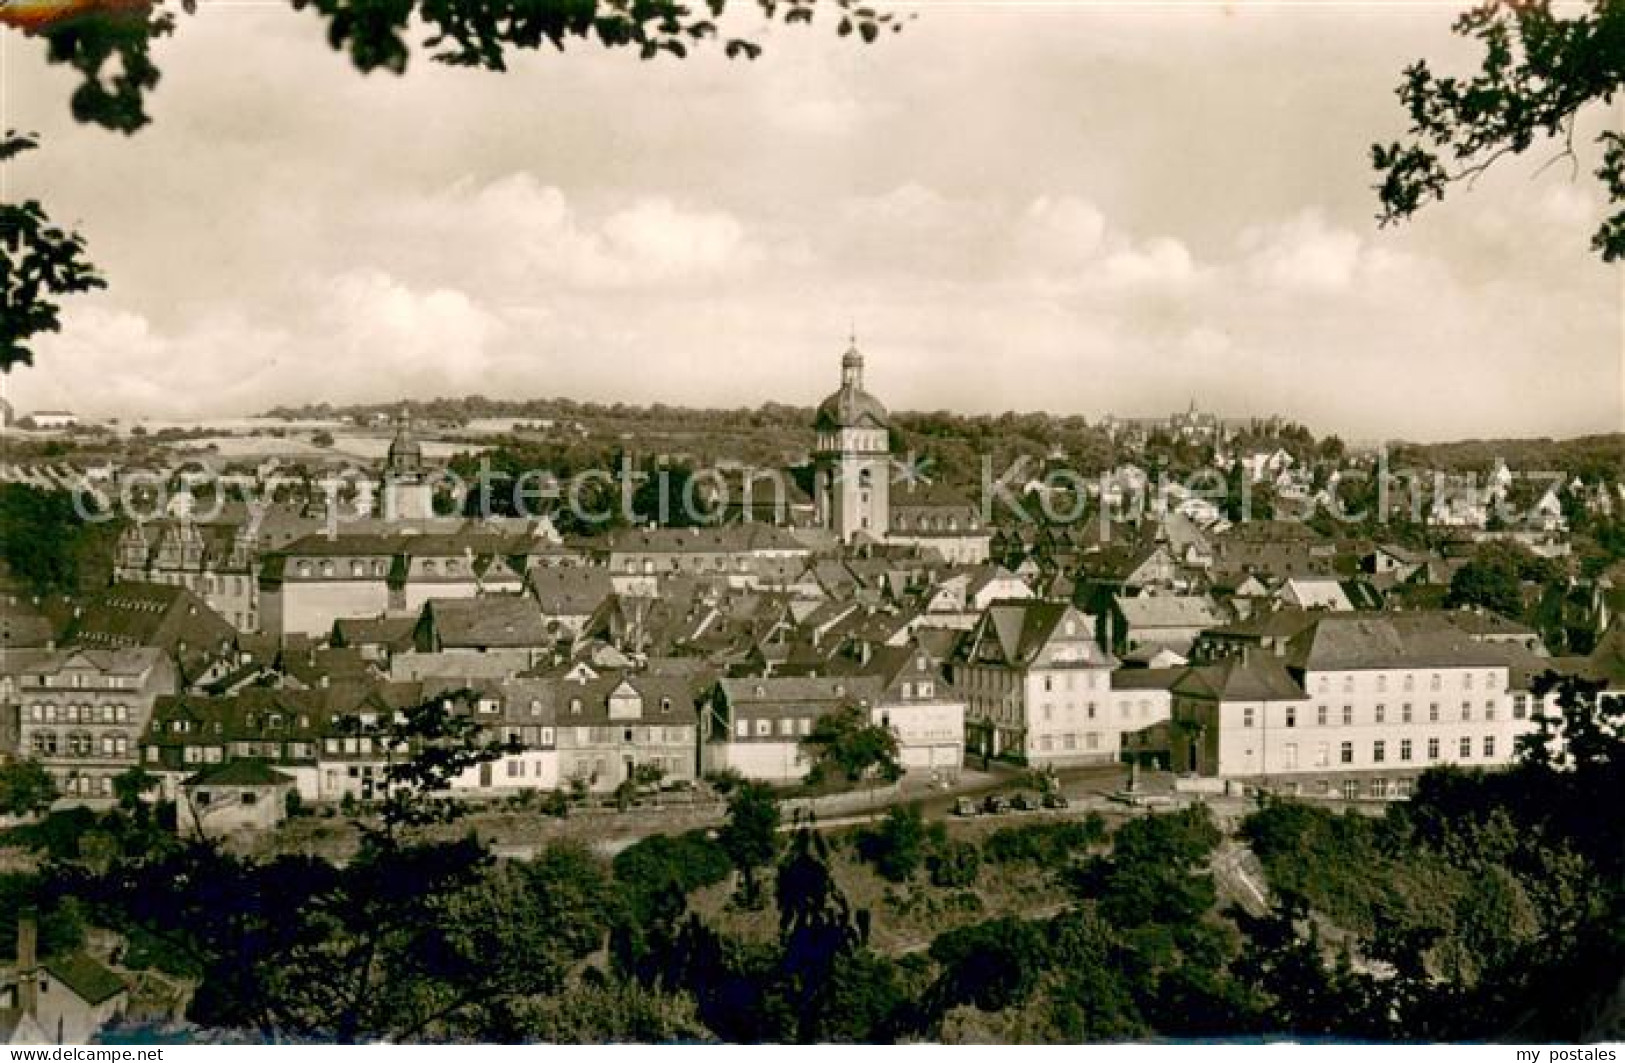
[[159, 615], [487, 622], [240, 773], [1252, 677], [90, 979], [571, 590], [1352, 641], [1169, 610], [1012, 633]]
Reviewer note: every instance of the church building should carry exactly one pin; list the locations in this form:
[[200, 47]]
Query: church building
[[852, 458]]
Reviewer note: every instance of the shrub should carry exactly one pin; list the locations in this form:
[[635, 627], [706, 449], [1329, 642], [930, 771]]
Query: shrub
[[954, 864], [1049, 845]]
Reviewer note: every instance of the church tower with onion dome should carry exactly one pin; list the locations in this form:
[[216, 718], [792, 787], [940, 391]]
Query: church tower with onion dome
[[408, 495], [852, 457]]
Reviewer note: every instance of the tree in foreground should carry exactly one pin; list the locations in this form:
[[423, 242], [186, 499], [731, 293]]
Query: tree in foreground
[[25, 788], [1541, 70], [848, 745], [750, 837]]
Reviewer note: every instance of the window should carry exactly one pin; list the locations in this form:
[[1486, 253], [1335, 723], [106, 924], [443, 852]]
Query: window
[[1378, 751], [787, 727], [1348, 715], [1520, 706], [1351, 789], [1404, 749], [1489, 710], [1489, 745], [1247, 716], [1346, 753], [1292, 717], [1290, 755], [1382, 684], [1405, 713], [1380, 714], [1049, 684], [1467, 681], [742, 728], [1322, 755], [1433, 749], [1320, 715], [1466, 748], [1466, 711], [1433, 712], [764, 728], [1434, 682]]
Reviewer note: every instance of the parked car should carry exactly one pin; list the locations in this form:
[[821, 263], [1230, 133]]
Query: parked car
[[996, 804], [966, 807], [1056, 799], [1023, 803]]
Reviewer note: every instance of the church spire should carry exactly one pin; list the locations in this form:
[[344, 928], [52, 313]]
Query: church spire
[[852, 365]]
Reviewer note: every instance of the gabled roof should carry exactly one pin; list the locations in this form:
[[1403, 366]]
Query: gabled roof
[[1351, 641], [1247, 677], [571, 590], [89, 979], [487, 622], [1150, 611], [239, 773], [1014, 633], [162, 616]]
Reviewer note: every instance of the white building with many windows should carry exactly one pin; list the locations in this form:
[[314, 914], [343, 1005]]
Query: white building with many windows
[[1037, 687], [1359, 706]]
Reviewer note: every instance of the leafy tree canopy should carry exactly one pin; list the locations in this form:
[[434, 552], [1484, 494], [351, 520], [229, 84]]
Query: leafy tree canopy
[[1540, 71]]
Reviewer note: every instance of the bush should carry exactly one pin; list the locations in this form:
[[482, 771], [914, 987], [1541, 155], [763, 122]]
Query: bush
[[897, 847], [1048, 845], [954, 865], [663, 867]]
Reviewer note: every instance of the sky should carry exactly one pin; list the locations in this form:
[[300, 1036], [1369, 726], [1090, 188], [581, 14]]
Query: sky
[[1077, 208]]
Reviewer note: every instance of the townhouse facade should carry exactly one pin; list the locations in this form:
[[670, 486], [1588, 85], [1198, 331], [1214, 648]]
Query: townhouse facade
[[82, 713], [1037, 686]]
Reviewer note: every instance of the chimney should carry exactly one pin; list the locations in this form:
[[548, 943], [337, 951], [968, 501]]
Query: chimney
[[27, 963]]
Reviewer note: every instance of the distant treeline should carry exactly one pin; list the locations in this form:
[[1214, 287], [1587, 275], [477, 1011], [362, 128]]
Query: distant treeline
[[1589, 457]]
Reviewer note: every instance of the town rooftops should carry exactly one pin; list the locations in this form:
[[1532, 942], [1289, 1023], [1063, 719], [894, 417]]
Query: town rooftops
[[717, 539]]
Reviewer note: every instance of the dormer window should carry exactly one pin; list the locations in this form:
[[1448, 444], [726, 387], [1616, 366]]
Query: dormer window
[[665, 705], [575, 706]]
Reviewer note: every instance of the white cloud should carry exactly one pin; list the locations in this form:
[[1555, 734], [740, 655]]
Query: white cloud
[[1303, 254]]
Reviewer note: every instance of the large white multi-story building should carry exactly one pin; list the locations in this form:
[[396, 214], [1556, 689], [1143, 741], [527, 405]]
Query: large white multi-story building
[[1358, 706]]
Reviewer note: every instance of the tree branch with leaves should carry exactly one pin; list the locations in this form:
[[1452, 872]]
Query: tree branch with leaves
[[1540, 72]]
